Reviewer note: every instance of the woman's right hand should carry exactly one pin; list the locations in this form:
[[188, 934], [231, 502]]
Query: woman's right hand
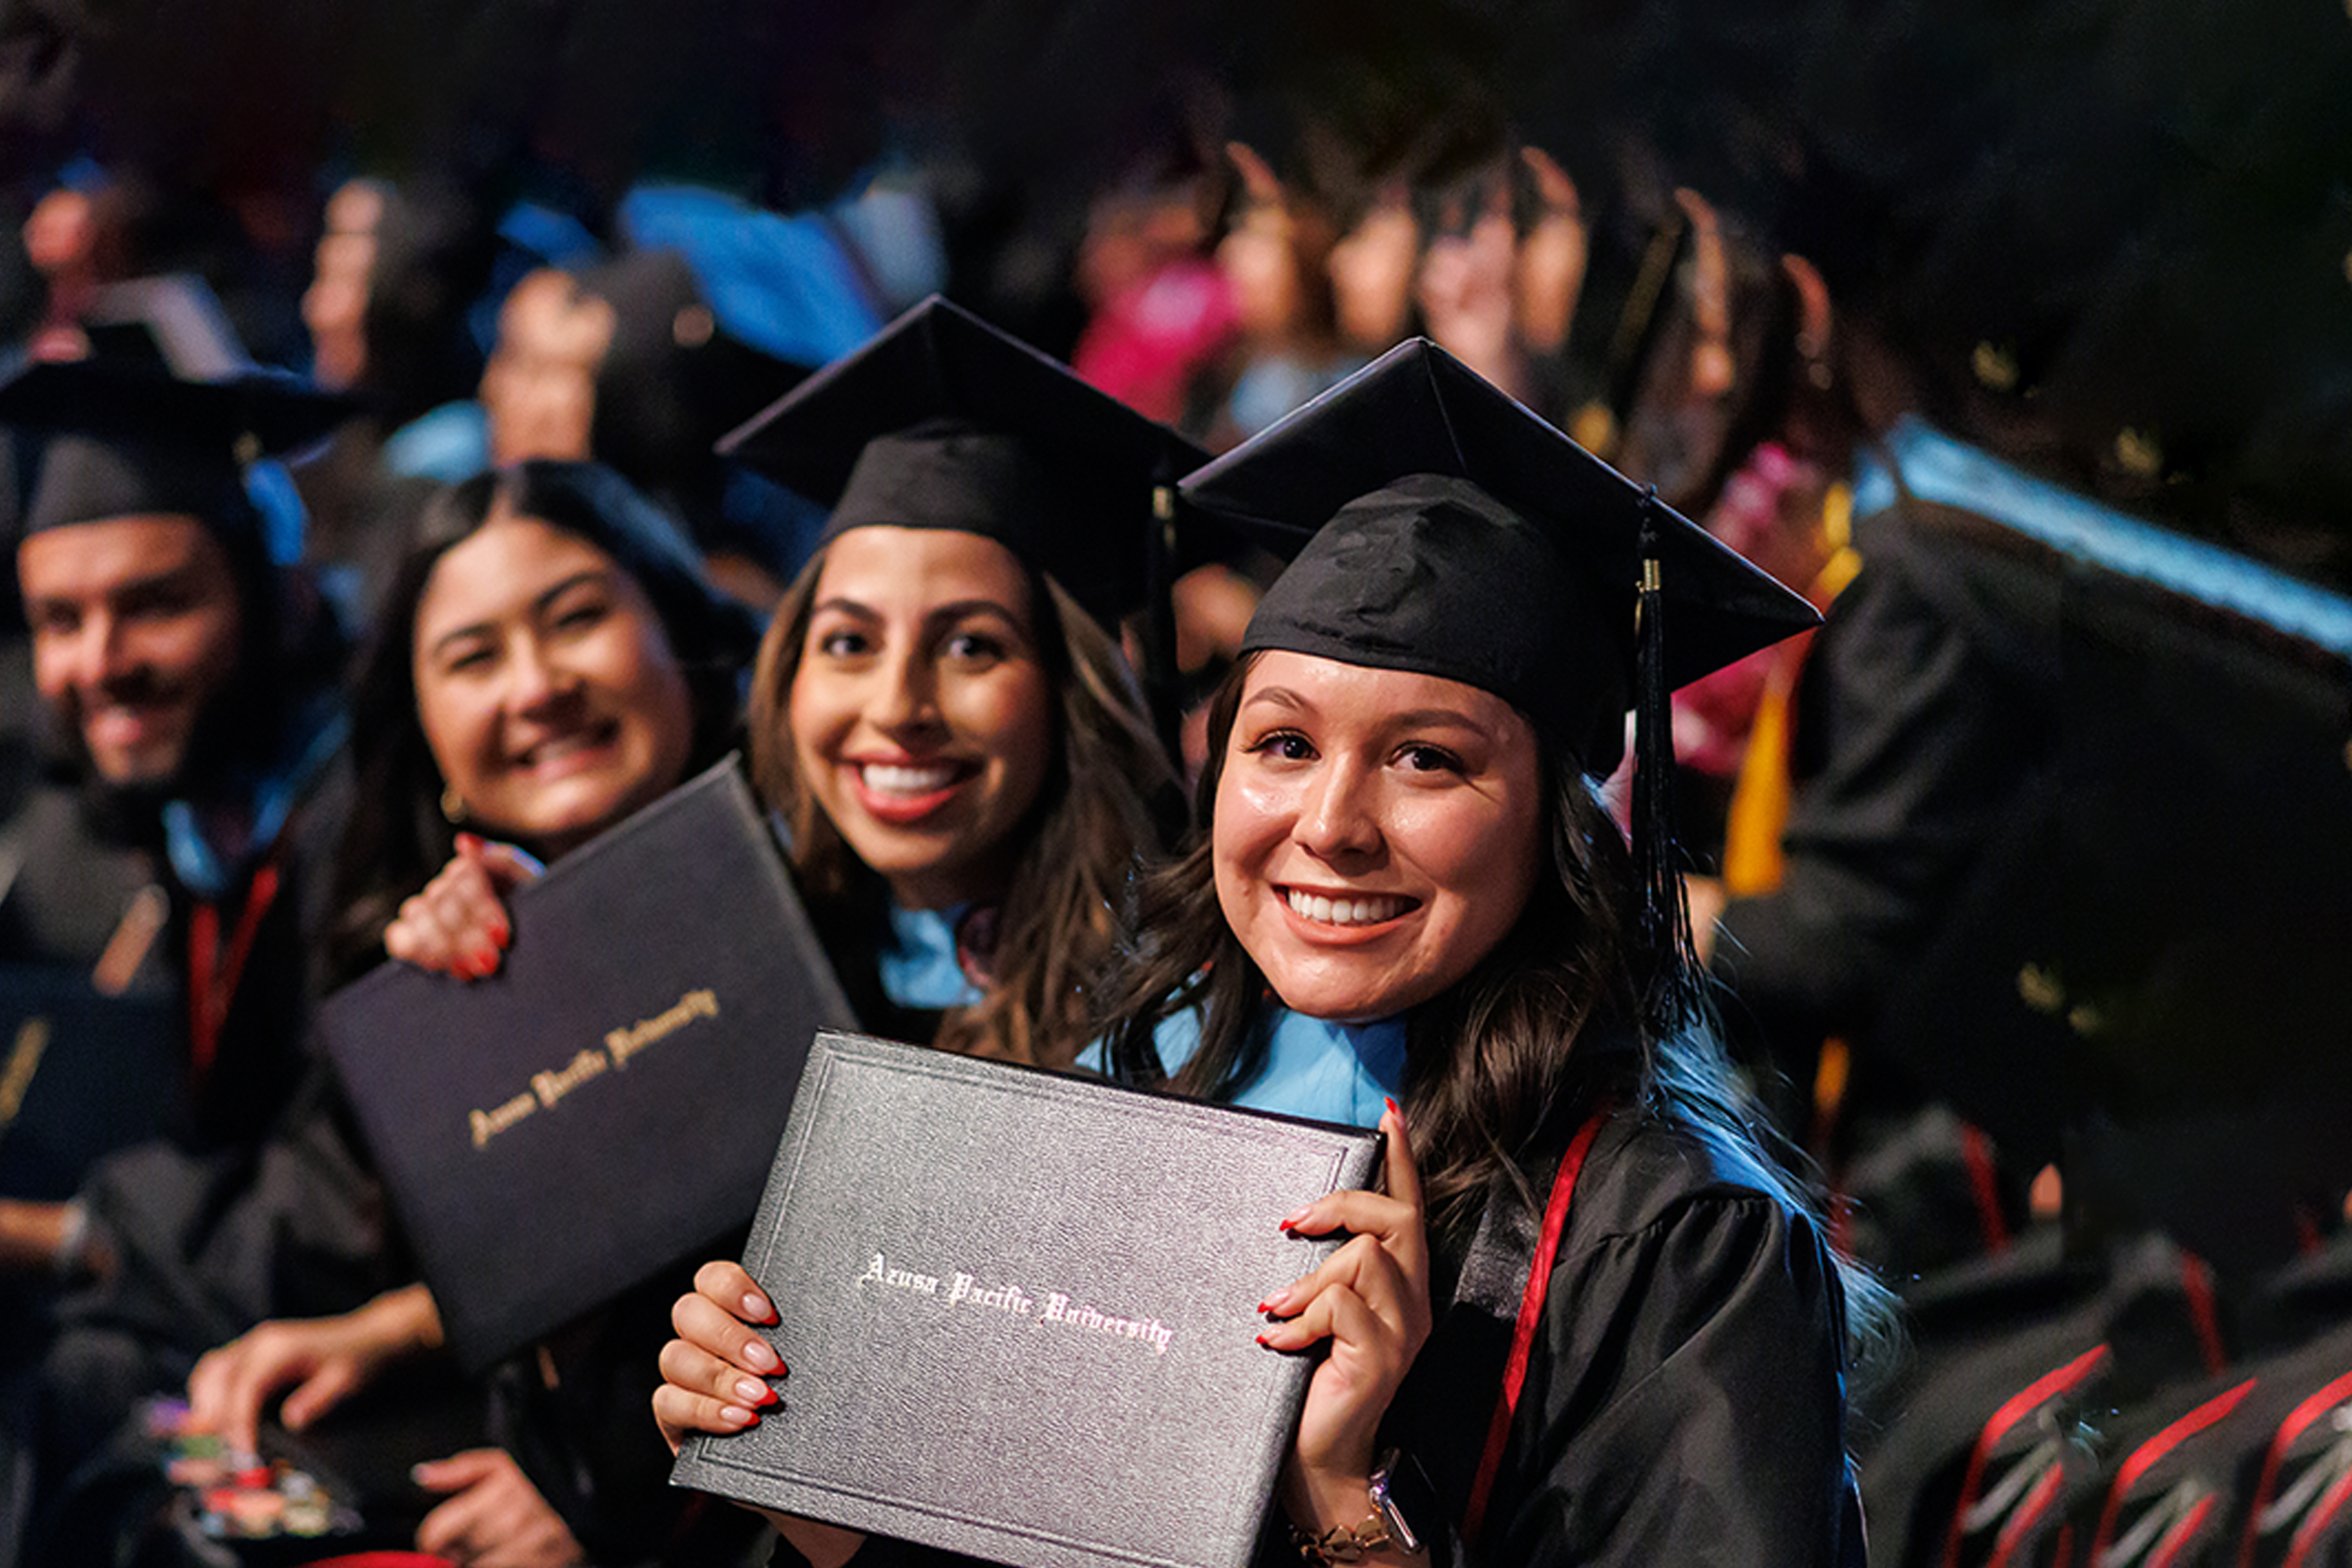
[[714, 1373], [457, 924], [714, 1379], [324, 1360]]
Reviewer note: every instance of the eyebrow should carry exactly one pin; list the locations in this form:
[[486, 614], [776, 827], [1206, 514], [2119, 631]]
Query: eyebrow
[[538, 604], [1436, 717], [955, 610], [153, 582], [1409, 718]]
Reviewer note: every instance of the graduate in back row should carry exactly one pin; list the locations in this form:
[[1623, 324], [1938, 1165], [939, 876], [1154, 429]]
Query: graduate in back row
[[1587, 1319]]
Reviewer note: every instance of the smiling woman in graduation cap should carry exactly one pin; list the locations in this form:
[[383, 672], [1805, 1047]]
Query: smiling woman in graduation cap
[[940, 712], [1587, 1321]]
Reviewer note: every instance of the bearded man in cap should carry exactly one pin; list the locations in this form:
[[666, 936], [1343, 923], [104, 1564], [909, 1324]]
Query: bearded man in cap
[[187, 679]]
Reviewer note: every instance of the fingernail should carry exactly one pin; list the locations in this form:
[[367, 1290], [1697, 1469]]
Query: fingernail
[[416, 1472], [736, 1416], [1266, 1343], [1276, 1302], [1392, 1104], [1295, 1218], [758, 1354], [501, 933], [468, 844], [756, 1308], [753, 1391]]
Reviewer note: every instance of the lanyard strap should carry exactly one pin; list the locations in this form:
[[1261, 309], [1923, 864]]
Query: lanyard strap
[[1532, 1307], [213, 975]]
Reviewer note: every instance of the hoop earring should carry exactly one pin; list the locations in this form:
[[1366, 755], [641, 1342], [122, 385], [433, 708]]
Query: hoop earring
[[453, 806]]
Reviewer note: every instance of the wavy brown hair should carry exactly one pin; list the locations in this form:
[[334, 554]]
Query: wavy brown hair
[[1099, 814]]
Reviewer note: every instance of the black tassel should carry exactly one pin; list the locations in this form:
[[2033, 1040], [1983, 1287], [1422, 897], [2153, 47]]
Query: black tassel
[[1665, 915]]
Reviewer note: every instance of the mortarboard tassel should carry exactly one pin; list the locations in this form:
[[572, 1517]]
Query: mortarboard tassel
[[1665, 917], [1161, 679]]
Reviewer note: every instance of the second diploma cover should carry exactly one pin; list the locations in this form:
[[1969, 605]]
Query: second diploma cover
[[1018, 1311], [610, 1097]]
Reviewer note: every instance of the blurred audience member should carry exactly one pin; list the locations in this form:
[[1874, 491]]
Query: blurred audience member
[[1275, 255], [1160, 307], [1371, 268]]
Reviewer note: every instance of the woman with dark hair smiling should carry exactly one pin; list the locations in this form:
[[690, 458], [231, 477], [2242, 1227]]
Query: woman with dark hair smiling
[[550, 658], [1587, 1319]]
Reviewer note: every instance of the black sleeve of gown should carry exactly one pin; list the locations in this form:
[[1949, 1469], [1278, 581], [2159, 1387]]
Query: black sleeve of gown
[[207, 1245], [1921, 712], [1685, 1402]]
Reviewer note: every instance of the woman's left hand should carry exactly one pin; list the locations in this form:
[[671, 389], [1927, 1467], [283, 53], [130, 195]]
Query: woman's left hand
[[1371, 1299]]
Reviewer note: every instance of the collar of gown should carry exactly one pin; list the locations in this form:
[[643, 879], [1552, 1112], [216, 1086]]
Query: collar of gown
[[919, 968], [1332, 1072]]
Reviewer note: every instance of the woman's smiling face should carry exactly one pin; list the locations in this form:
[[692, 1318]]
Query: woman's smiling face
[[1376, 832], [546, 685], [921, 715]]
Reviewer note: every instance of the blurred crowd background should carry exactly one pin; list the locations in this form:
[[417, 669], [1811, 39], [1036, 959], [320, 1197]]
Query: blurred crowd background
[[2113, 234], [1744, 252]]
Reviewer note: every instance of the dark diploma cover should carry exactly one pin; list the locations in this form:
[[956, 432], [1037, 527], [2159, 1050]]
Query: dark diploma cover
[[1018, 1307], [611, 1099], [82, 1075]]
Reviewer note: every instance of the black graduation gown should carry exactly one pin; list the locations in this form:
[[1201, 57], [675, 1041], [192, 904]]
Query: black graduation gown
[[1924, 764], [1926, 717], [1685, 1396], [1684, 1400]]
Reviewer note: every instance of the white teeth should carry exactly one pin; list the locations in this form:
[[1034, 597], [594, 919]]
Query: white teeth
[[558, 746], [1370, 909], [885, 779]]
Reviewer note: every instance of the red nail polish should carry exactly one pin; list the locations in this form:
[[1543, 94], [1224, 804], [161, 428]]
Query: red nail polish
[[1393, 1108], [486, 960], [1264, 1340]]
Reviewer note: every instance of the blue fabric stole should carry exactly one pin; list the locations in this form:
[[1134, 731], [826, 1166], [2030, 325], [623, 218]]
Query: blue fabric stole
[[1938, 469], [918, 969], [1332, 1072], [208, 866]]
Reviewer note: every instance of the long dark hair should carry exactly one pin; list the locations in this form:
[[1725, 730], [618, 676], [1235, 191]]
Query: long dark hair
[[398, 838], [1097, 813], [1551, 1019]]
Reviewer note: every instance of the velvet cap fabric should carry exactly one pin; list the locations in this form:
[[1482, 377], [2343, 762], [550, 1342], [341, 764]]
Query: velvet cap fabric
[[1435, 525]]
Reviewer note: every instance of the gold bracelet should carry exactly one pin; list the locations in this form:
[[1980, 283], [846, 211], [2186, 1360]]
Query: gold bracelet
[[1339, 1544]]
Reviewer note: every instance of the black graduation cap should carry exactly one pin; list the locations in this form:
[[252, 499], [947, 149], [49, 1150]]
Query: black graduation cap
[[125, 437], [170, 319], [943, 421], [1438, 526]]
